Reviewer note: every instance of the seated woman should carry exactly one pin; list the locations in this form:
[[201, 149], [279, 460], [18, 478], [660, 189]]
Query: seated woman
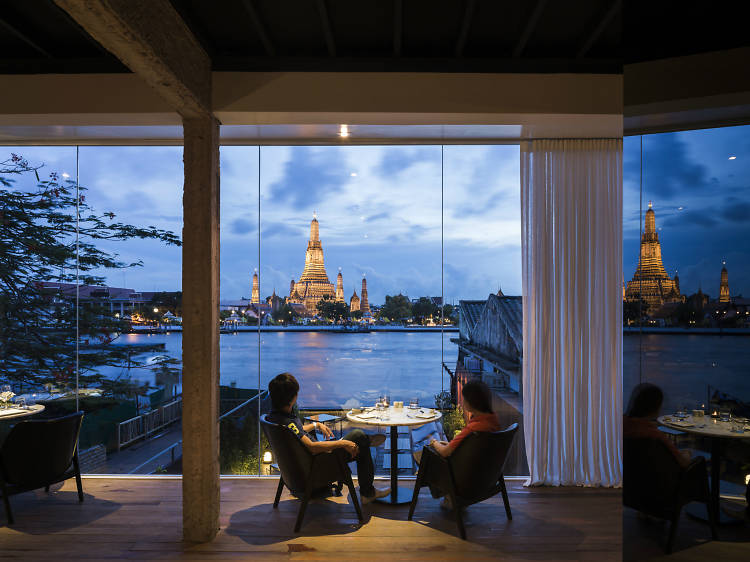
[[639, 421], [477, 404]]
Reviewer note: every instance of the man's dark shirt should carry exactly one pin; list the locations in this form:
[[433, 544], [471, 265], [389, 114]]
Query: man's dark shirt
[[288, 420]]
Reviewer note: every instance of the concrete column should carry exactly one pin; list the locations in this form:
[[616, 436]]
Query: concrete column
[[200, 325]]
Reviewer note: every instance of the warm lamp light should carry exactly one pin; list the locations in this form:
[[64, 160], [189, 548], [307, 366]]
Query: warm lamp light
[[267, 457], [156, 310], [344, 131]]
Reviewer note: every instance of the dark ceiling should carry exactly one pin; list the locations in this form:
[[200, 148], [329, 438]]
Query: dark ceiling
[[345, 35], [395, 35]]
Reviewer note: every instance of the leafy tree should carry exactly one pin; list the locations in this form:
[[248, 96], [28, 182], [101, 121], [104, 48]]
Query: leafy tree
[[633, 311], [329, 308], [396, 307], [285, 314], [449, 312], [423, 309], [38, 317], [356, 314], [163, 301]]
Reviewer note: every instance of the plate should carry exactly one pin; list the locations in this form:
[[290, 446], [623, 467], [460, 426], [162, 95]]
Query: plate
[[425, 416], [367, 416], [683, 424]]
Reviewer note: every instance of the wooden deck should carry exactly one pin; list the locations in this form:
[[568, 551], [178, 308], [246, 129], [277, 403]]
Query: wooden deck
[[141, 519]]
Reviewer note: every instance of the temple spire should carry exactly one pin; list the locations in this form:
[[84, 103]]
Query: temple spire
[[255, 290], [724, 284]]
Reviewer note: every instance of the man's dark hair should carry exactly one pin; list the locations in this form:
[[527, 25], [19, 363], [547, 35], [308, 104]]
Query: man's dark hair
[[283, 389], [645, 400], [478, 395]]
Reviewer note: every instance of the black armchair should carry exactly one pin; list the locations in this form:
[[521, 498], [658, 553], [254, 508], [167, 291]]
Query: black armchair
[[654, 483], [302, 472], [473, 473], [39, 453]]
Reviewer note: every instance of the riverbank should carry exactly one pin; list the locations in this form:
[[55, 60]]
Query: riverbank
[[678, 330], [331, 329]]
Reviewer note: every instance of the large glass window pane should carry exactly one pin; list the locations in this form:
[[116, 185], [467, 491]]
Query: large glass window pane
[[482, 277]]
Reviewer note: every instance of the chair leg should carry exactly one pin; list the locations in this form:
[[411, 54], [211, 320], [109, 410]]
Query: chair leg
[[504, 491], [353, 494], [79, 484], [417, 487], [6, 501], [278, 492], [457, 512], [303, 507], [673, 530]]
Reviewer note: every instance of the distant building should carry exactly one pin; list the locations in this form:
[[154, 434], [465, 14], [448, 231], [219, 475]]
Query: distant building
[[354, 302], [651, 281], [117, 300], [255, 289], [313, 284], [339, 287], [724, 286], [364, 303]]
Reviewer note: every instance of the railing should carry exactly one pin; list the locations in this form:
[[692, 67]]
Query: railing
[[175, 449], [144, 425]]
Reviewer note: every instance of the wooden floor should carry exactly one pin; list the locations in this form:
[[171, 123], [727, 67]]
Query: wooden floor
[[141, 519]]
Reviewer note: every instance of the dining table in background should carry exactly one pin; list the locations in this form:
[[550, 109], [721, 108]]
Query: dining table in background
[[717, 432], [397, 417]]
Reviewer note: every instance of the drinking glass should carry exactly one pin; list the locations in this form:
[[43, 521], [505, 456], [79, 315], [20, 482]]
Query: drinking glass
[[681, 413], [414, 403], [381, 409], [738, 425], [21, 403], [725, 415]]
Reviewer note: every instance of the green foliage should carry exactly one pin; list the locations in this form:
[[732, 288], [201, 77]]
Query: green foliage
[[453, 421], [423, 309], [38, 246], [396, 308], [330, 309], [238, 452], [633, 311], [449, 312], [163, 301], [285, 314]]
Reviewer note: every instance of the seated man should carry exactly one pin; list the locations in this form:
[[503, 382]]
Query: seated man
[[639, 421], [284, 389], [477, 404]]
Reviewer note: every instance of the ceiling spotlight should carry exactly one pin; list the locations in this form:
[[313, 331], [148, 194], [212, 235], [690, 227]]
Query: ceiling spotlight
[[353, 174], [344, 131], [733, 158]]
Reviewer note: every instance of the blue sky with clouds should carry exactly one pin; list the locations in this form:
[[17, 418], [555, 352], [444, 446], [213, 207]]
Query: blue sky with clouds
[[702, 203], [379, 210]]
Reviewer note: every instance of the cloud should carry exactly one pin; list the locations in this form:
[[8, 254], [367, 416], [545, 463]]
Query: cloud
[[378, 216], [309, 176], [668, 168], [242, 226], [704, 218], [397, 160], [737, 212], [280, 229]]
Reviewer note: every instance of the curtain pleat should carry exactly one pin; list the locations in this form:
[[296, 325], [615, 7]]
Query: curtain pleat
[[571, 222]]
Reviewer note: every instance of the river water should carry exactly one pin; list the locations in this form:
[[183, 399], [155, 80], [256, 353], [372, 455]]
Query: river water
[[341, 370], [334, 370]]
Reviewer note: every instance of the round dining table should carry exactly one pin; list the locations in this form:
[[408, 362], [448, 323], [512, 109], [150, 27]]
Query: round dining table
[[717, 432], [14, 412], [394, 418]]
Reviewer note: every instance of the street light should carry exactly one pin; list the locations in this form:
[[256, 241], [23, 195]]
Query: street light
[[156, 310]]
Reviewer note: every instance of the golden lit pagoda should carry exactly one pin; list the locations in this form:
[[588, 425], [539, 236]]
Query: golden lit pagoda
[[724, 285], [364, 304], [354, 302], [313, 284], [255, 291], [339, 287], [651, 281]]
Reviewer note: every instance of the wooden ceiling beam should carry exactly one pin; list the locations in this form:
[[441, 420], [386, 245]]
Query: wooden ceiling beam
[[260, 29], [398, 27], [599, 28], [153, 41], [465, 27], [326, 25], [529, 28], [23, 37]]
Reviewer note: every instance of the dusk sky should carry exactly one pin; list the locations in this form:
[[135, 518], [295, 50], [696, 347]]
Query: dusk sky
[[702, 203], [380, 212]]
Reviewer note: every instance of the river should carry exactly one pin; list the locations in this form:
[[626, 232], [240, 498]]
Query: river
[[338, 370]]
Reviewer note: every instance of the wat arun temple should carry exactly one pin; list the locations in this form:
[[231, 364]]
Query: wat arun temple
[[651, 281], [313, 284]]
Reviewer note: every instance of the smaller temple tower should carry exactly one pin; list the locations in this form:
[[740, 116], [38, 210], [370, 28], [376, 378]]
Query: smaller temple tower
[[676, 283], [354, 302], [724, 285], [339, 287], [255, 291], [291, 287], [364, 304]]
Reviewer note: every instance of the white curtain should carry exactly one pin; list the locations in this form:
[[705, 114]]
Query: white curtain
[[571, 220]]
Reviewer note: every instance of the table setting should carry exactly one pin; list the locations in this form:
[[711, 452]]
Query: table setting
[[386, 413]]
